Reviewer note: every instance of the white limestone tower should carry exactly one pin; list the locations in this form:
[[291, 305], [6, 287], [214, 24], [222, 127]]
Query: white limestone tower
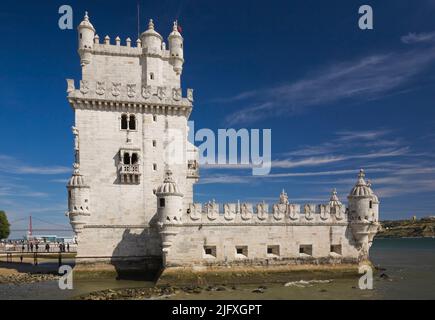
[[175, 41], [86, 33], [169, 211], [363, 214]]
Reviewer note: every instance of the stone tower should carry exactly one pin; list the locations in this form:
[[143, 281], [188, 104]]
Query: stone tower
[[130, 116], [363, 214]]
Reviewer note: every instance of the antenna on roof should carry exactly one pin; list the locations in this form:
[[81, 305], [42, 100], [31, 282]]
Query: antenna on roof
[[138, 19]]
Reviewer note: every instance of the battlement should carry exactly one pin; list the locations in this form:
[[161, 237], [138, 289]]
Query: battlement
[[247, 213], [107, 47], [129, 93]]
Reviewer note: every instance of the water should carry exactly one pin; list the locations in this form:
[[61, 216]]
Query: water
[[409, 264]]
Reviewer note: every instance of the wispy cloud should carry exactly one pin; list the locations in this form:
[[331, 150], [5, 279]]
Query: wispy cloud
[[11, 165], [418, 37], [364, 79]]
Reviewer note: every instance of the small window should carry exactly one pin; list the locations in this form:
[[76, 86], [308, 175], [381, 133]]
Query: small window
[[336, 248], [154, 118], [241, 251], [154, 166], [273, 250], [126, 158], [306, 249], [151, 75], [162, 202], [124, 122], [134, 158], [69, 194], [132, 122], [81, 36], [209, 252], [371, 204], [154, 143]]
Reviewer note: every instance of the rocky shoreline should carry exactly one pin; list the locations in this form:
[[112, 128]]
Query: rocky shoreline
[[25, 278], [157, 292]]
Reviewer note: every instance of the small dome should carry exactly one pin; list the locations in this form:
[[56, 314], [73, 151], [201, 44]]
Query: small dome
[[169, 186], [334, 201], [77, 180], [151, 32], [361, 188], [175, 32], [86, 23]]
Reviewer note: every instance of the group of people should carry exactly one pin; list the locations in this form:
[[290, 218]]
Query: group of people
[[35, 247]]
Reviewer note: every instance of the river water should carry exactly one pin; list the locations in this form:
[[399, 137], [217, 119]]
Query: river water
[[409, 274]]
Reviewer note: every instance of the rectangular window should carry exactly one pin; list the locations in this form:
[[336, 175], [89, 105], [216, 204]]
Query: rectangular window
[[336, 248], [209, 252], [162, 202], [241, 252], [154, 118], [154, 143], [306, 249], [154, 166], [273, 251]]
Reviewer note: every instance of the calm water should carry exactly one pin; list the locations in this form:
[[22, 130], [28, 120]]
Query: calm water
[[409, 264]]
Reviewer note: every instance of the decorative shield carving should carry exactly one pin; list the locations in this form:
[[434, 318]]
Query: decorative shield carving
[[195, 211], [229, 211], [176, 94], [262, 210], [212, 210], [146, 91], [116, 89], [190, 95], [279, 211], [339, 212], [161, 92], [131, 90], [101, 88], [246, 211], [293, 212], [84, 86], [324, 211], [309, 215]]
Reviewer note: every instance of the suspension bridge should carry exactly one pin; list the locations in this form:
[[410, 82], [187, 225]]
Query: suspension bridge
[[53, 227]]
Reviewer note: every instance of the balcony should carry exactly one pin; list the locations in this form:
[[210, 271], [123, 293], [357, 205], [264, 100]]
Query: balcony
[[192, 169], [129, 173]]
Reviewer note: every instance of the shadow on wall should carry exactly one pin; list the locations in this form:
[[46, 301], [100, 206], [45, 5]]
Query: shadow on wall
[[138, 255]]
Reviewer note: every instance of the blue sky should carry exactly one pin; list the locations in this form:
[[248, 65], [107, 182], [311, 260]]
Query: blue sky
[[336, 98]]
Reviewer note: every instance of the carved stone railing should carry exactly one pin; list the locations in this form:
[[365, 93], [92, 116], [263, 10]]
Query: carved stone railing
[[117, 91], [129, 173], [281, 213]]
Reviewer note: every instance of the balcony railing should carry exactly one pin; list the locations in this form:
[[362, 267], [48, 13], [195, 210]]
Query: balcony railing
[[129, 173]]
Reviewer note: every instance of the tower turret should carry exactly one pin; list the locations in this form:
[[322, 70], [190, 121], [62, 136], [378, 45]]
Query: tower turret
[[86, 33], [175, 41], [151, 40], [169, 211], [78, 200], [362, 214]]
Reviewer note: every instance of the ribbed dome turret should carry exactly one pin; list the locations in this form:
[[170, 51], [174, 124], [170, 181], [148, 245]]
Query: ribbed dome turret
[[77, 180], [151, 39], [334, 201], [361, 188], [86, 23], [169, 186]]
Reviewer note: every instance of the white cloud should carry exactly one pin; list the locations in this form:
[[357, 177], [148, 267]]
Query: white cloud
[[364, 79], [11, 165], [412, 37]]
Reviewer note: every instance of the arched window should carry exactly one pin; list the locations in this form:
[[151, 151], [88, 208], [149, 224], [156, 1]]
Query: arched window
[[371, 204], [134, 158], [126, 158], [124, 122], [132, 122]]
